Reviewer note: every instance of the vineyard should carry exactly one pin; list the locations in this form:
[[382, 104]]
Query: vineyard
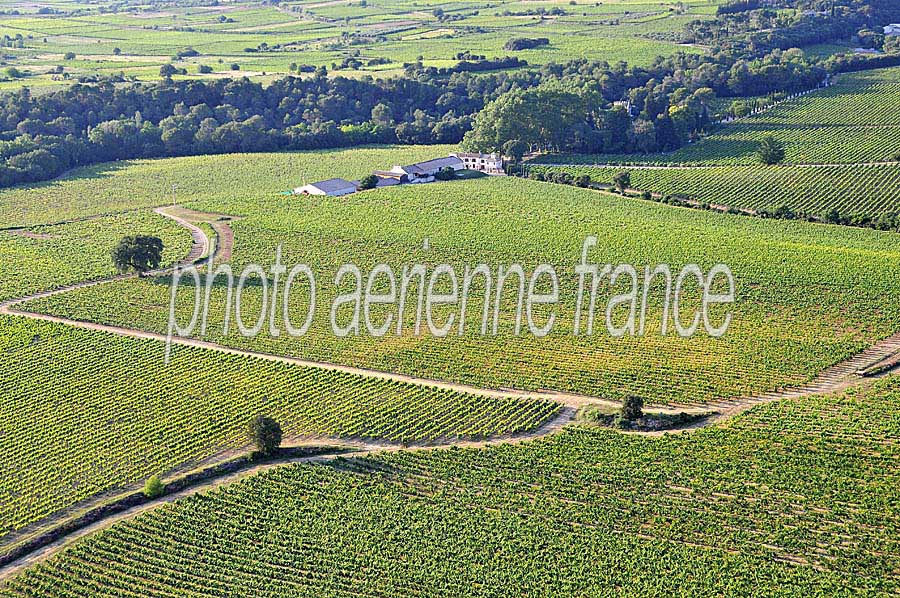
[[872, 190], [700, 397], [856, 120], [119, 186], [796, 313], [790, 498], [121, 415], [44, 257]]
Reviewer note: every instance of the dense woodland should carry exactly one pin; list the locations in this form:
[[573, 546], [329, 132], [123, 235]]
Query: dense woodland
[[579, 106]]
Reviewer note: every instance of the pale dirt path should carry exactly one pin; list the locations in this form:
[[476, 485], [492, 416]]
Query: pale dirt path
[[835, 378]]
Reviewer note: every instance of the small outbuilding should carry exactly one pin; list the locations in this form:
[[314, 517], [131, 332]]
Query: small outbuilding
[[332, 187], [893, 29]]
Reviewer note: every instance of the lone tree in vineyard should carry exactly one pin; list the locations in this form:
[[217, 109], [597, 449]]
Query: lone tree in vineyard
[[265, 433], [632, 408], [771, 151], [140, 253], [622, 180]]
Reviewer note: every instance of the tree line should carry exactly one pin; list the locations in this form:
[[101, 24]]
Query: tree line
[[587, 106]]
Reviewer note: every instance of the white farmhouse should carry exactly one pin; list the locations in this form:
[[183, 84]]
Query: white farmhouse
[[893, 29], [487, 163], [423, 172], [333, 187]]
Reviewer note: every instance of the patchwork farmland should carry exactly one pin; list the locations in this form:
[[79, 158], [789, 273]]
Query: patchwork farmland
[[492, 298]]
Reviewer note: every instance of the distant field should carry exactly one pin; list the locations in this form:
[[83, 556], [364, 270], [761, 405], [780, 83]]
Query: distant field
[[807, 295], [85, 412], [871, 190], [856, 120], [788, 499], [265, 40]]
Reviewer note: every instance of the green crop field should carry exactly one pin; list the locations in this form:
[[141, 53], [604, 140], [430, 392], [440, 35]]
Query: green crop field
[[114, 187], [795, 314], [265, 39], [44, 257], [122, 415], [432, 381], [872, 189], [792, 498], [841, 146]]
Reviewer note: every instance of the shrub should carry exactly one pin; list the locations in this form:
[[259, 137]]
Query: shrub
[[368, 182], [622, 180], [784, 213], [445, 174], [153, 487]]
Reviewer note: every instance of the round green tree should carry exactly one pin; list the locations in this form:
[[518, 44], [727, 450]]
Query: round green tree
[[265, 433], [139, 253], [771, 151]]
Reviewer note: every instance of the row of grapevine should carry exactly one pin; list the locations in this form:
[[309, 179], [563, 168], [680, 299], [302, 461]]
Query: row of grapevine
[[84, 412], [807, 296], [871, 190], [792, 498], [855, 121]]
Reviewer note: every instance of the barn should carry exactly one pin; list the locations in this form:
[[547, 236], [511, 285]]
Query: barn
[[333, 187]]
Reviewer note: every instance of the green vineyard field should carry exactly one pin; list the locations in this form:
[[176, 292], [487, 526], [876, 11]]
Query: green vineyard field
[[807, 295], [107, 41], [856, 120], [815, 190], [790, 499], [122, 415], [113, 187], [44, 257]]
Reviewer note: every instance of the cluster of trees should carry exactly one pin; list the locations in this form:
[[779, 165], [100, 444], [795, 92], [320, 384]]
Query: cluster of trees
[[561, 177], [589, 106], [755, 28], [567, 106], [525, 43], [556, 11], [888, 222], [42, 136], [665, 106]]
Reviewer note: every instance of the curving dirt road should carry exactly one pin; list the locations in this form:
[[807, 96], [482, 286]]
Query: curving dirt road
[[346, 449], [834, 379]]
